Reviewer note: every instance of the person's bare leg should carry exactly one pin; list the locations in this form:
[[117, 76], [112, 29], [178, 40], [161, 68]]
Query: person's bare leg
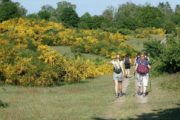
[[120, 88], [128, 72], [116, 87]]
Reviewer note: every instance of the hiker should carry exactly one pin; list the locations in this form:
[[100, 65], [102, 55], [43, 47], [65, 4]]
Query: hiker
[[136, 59], [118, 75], [142, 70], [127, 64]]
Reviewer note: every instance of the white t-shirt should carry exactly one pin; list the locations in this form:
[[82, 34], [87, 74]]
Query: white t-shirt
[[117, 63]]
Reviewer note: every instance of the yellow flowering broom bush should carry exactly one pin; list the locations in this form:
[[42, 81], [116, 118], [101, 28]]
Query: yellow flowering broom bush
[[25, 57]]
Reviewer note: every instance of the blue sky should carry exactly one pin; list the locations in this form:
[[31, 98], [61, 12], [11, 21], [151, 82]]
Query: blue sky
[[94, 7]]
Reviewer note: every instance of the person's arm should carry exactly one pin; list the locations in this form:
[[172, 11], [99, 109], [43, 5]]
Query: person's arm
[[122, 67], [135, 68], [110, 62]]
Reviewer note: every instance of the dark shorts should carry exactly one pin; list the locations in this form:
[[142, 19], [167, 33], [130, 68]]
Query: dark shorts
[[127, 66]]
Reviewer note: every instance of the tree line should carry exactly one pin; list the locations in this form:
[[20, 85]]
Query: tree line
[[123, 19]]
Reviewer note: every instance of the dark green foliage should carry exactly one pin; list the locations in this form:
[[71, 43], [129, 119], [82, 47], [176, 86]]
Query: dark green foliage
[[171, 55], [169, 26], [33, 16], [8, 10], [150, 17], [153, 47], [126, 17], [3, 104], [31, 45], [166, 56], [69, 17], [44, 15]]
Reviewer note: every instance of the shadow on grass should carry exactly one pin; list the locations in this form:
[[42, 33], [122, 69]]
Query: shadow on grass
[[3, 104], [167, 114], [98, 118]]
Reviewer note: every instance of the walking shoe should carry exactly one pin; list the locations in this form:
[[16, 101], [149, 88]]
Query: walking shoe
[[117, 95], [120, 94], [139, 93]]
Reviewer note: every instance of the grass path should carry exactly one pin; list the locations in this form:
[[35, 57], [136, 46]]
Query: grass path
[[93, 99], [160, 104], [116, 104]]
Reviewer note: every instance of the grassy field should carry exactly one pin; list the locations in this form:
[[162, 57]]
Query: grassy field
[[91, 99], [80, 101], [88, 100], [66, 50], [137, 43]]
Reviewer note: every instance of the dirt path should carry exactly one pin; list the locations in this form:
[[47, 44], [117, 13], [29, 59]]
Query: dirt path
[[115, 106], [140, 98], [111, 114]]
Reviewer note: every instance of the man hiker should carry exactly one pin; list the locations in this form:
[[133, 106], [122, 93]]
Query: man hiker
[[142, 70], [118, 75]]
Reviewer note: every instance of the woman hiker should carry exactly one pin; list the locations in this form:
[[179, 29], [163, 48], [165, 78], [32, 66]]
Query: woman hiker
[[127, 64], [118, 75]]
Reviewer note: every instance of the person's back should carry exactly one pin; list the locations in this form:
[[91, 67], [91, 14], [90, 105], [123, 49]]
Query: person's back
[[127, 61], [142, 66], [127, 64], [142, 69]]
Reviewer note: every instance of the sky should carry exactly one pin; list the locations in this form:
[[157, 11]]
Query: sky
[[94, 7]]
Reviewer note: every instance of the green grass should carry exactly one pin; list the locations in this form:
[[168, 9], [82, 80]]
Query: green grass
[[136, 43], [89, 100], [66, 51], [172, 82], [69, 102], [162, 103]]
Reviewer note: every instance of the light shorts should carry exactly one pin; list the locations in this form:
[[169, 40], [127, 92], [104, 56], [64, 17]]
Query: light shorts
[[142, 80], [117, 77]]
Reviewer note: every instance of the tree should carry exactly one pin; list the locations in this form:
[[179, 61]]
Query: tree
[[126, 16], [47, 12], [33, 15], [9, 9], [21, 10], [176, 17], [61, 6], [4, 1], [165, 8], [49, 9], [97, 21], [69, 17], [109, 13], [150, 17], [85, 21], [44, 15]]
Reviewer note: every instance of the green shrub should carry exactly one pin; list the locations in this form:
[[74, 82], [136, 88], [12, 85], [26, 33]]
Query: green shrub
[[166, 56], [125, 31]]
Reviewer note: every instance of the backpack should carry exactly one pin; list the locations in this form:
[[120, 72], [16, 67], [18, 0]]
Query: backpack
[[127, 61], [117, 70], [142, 68]]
